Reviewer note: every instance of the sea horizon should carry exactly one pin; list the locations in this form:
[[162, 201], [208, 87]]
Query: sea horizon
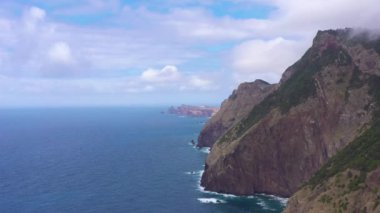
[[55, 150]]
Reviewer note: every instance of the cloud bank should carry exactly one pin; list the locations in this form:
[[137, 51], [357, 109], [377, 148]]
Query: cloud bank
[[98, 47]]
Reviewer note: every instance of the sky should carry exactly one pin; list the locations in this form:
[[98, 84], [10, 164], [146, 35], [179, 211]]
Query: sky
[[157, 52]]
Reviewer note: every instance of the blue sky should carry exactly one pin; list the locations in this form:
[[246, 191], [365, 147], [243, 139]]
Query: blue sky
[[157, 52]]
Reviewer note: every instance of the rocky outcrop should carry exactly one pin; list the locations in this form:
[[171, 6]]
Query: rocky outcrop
[[324, 101], [233, 109]]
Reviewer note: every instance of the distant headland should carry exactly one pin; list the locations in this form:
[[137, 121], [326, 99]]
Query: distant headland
[[193, 111]]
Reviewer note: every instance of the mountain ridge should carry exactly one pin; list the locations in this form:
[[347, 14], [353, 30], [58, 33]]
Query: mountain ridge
[[321, 105], [233, 109]]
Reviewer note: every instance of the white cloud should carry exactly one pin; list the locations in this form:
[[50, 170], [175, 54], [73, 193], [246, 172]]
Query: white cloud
[[265, 58], [262, 54], [171, 78], [37, 13], [167, 74], [35, 45], [302, 19], [32, 17], [298, 20], [322, 14], [25, 41], [204, 26], [60, 52], [198, 82], [148, 88]]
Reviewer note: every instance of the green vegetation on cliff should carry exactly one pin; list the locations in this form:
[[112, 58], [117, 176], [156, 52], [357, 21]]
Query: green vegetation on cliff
[[346, 182], [362, 154], [294, 91]]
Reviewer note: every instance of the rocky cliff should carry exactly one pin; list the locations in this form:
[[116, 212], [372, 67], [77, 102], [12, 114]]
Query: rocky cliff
[[349, 181], [233, 109], [324, 102]]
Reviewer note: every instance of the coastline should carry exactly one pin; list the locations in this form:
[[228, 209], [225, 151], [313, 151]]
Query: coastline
[[282, 200]]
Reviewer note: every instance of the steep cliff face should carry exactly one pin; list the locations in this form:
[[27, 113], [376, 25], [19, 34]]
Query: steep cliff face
[[350, 181], [233, 109], [324, 101]]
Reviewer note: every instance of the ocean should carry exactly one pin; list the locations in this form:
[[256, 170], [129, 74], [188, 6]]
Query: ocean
[[108, 160]]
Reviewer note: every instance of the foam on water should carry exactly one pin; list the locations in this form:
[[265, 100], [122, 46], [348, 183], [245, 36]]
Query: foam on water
[[202, 189], [263, 204], [193, 173], [211, 200], [205, 150], [282, 200]]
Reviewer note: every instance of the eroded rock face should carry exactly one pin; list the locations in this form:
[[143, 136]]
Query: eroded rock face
[[233, 109], [322, 104]]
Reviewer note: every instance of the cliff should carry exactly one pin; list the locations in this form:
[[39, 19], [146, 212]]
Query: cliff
[[193, 111], [233, 109], [350, 181], [325, 101]]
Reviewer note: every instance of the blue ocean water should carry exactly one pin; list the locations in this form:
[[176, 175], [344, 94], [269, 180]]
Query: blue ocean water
[[107, 160]]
